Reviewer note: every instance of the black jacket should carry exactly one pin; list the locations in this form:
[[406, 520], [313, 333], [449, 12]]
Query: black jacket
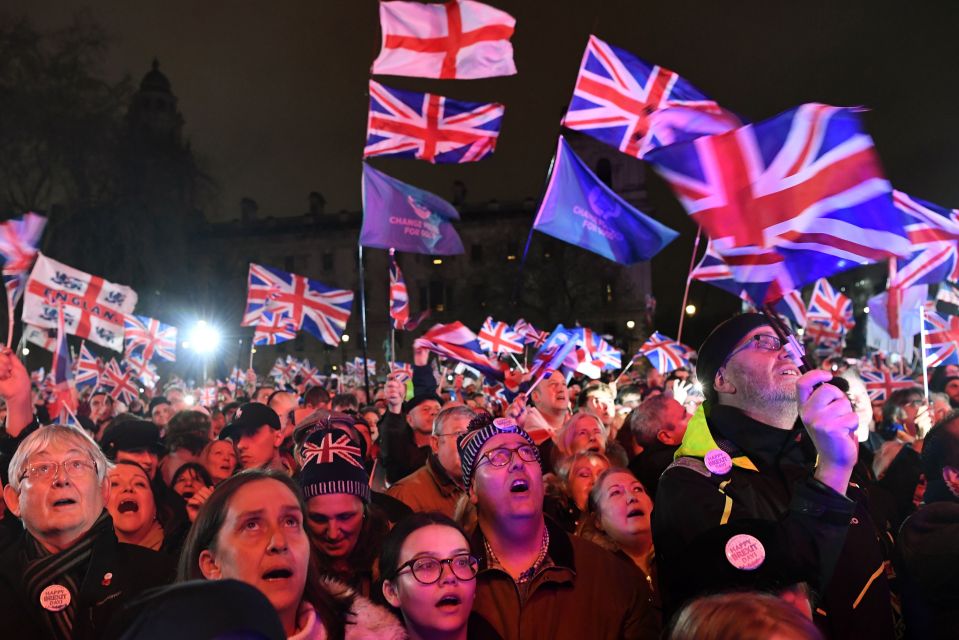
[[810, 533], [131, 570]]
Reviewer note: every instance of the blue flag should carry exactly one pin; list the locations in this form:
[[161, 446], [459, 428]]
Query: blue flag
[[400, 216], [579, 209]]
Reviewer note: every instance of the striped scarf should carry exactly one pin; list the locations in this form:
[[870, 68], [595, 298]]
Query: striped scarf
[[66, 568]]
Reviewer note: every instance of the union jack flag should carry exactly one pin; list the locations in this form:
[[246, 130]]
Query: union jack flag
[[87, 369], [558, 352], [880, 383], [18, 248], [744, 271], [635, 106], [273, 328], [148, 337], [530, 335], [329, 449], [402, 371], [665, 353], [498, 337], [120, 381], [63, 391], [942, 340], [802, 193], [829, 307], [143, 370], [279, 369], [609, 356], [399, 297], [792, 308], [933, 232], [457, 342], [429, 127], [310, 375], [206, 396], [370, 365], [311, 305]]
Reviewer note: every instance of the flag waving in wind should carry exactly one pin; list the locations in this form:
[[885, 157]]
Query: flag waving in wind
[[65, 398], [148, 337], [92, 307], [399, 297], [401, 216], [458, 39], [498, 337], [635, 106], [18, 248], [429, 127], [665, 354], [802, 193], [273, 328], [580, 209], [457, 342]]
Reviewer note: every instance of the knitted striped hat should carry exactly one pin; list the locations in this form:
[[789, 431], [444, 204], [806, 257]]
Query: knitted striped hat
[[333, 463], [482, 428]]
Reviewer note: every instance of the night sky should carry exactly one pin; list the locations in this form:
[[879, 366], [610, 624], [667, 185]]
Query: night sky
[[273, 93]]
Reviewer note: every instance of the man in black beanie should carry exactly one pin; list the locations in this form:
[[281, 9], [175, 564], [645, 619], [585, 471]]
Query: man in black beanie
[[758, 496]]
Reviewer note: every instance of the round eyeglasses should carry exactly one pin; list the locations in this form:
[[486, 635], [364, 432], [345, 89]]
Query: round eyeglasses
[[502, 456], [428, 570]]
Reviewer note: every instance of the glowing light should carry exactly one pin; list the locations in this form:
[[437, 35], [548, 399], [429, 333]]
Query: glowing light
[[691, 309], [204, 337], [437, 260], [26, 351], [189, 401], [865, 309], [345, 337], [630, 324]]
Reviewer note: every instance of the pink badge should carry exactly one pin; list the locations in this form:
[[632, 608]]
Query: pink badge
[[718, 462], [56, 597], [745, 552]]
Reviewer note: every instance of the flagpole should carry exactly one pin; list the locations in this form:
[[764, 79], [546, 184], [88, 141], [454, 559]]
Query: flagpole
[[623, 372], [529, 238], [392, 321], [689, 278], [922, 346], [366, 372], [10, 310], [251, 353]]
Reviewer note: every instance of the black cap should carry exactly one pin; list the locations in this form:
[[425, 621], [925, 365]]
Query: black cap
[[718, 345], [249, 418], [158, 400], [131, 435], [417, 400]]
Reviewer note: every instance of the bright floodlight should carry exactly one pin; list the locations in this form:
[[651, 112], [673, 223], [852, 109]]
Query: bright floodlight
[[345, 337], [204, 337]]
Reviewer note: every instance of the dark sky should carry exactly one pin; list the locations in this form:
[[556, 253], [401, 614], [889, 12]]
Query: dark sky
[[273, 93]]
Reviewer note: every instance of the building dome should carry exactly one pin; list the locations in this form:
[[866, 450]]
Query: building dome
[[154, 80]]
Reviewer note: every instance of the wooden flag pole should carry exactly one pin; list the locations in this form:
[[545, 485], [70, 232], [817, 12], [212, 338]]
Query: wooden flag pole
[[689, 278]]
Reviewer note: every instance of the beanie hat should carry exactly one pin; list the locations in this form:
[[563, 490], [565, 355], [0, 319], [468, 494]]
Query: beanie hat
[[482, 428], [719, 344], [333, 463]]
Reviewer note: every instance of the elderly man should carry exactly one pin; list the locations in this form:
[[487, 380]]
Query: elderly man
[[436, 485], [67, 576], [757, 496], [536, 580], [658, 426]]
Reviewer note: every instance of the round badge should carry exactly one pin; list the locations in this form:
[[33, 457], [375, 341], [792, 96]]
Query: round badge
[[56, 597], [718, 462], [504, 424], [745, 552], [107, 579]]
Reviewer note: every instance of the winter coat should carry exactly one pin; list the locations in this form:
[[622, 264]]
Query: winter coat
[[807, 532], [429, 488], [586, 592], [366, 621]]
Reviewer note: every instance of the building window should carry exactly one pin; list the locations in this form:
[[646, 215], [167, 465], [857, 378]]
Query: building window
[[511, 250], [476, 254], [327, 259], [608, 292], [437, 297]]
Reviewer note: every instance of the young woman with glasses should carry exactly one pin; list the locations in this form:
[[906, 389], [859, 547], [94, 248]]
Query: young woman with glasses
[[430, 576]]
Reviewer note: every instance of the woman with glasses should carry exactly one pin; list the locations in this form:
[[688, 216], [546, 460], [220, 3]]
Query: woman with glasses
[[430, 576]]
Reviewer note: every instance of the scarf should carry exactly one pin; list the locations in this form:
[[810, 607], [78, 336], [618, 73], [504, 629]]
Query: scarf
[[66, 568]]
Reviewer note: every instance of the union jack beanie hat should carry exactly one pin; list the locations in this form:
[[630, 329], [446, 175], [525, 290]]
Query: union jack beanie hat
[[333, 463], [481, 429]]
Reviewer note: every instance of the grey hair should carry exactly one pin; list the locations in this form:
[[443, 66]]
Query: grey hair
[[454, 411], [565, 434], [47, 436]]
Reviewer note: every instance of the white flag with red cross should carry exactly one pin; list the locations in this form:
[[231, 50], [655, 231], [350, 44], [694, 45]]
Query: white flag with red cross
[[93, 308]]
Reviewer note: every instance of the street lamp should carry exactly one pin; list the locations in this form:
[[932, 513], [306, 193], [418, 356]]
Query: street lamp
[[343, 340], [204, 339]]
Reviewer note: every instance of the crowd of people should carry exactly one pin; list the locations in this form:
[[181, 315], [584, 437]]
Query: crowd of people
[[746, 498]]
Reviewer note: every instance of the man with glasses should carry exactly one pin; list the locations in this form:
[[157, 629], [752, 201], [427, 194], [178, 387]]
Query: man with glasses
[[436, 486], [536, 580], [67, 576], [759, 495]]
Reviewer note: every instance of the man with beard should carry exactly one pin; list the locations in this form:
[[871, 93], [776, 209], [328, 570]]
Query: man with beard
[[759, 494]]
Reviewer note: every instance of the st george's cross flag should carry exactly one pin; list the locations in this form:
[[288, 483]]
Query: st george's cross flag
[[455, 40], [803, 192], [635, 106], [430, 127], [93, 308], [43, 338], [309, 304], [580, 209], [400, 216], [148, 338]]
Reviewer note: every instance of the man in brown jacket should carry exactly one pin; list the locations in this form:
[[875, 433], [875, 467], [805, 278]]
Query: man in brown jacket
[[535, 580], [436, 485]]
